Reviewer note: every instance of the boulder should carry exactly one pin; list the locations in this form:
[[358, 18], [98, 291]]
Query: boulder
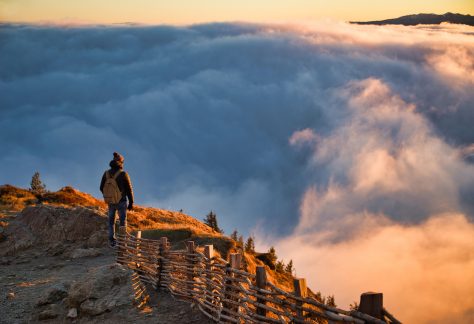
[[54, 294], [51, 311], [102, 289], [72, 313]]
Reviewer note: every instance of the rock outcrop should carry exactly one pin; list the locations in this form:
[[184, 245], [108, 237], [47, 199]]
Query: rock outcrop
[[54, 294], [109, 288], [102, 290], [46, 225]]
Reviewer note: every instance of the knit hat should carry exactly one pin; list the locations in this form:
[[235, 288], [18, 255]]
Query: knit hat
[[117, 161], [118, 157]]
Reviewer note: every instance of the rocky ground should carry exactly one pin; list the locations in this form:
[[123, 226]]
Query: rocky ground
[[62, 272]]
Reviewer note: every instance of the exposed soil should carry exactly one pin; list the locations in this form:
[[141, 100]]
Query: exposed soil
[[26, 277]]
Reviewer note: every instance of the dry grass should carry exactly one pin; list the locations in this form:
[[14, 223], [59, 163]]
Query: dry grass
[[141, 218], [148, 218], [72, 197], [13, 198]]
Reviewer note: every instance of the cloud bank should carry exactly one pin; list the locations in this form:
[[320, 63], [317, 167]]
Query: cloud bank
[[351, 144]]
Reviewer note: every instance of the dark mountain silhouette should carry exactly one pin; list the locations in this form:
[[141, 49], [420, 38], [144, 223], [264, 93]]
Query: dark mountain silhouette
[[423, 19]]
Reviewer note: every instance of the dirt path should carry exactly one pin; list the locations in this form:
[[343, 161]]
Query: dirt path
[[24, 279]]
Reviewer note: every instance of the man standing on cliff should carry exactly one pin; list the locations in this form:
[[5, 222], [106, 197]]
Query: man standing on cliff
[[116, 188]]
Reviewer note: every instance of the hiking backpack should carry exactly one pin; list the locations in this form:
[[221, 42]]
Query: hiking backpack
[[111, 191]]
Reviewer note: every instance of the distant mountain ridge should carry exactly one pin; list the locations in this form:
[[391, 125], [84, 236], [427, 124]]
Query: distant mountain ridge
[[423, 19]]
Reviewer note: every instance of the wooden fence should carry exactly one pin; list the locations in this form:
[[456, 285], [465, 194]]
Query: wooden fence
[[227, 294]]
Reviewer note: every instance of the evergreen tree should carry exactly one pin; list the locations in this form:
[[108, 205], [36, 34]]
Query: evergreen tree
[[250, 245], [354, 307], [330, 301], [272, 254], [211, 221], [240, 242], [280, 266], [320, 298], [289, 267], [234, 235], [37, 186]]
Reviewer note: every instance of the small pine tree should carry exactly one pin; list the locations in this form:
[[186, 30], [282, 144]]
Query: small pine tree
[[354, 307], [320, 298], [240, 242], [250, 245], [272, 255], [234, 235], [280, 266], [331, 301], [211, 221], [289, 267], [37, 186]]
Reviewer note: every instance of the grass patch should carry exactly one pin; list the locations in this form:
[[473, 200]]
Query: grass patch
[[173, 235], [221, 244]]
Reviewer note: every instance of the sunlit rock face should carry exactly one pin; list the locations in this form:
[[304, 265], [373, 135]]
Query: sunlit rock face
[[55, 228], [327, 137]]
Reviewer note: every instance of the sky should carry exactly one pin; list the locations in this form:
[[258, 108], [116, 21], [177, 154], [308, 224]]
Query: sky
[[184, 12], [350, 144]]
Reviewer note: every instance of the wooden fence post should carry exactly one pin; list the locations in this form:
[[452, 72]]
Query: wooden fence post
[[122, 244], [300, 290], [261, 281], [236, 260], [371, 303], [229, 292], [190, 247], [137, 246], [163, 247], [228, 303], [209, 254]]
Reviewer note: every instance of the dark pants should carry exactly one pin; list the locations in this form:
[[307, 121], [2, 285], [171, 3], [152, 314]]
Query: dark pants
[[121, 208]]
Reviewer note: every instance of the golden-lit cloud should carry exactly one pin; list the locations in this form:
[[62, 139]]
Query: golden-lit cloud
[[425, 271], [454, 64], [383, 159]]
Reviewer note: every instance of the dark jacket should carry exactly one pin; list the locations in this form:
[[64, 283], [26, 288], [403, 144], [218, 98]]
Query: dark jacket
[[123, 182]]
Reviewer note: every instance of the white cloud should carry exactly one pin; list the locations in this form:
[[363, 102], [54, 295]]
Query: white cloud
[[304, 136]]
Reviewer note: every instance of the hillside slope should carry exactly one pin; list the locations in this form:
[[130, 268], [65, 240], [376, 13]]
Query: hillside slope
[[153, 222], [55, 266]]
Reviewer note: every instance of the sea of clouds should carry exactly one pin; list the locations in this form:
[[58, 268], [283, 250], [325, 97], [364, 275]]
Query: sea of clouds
[[349, 148]]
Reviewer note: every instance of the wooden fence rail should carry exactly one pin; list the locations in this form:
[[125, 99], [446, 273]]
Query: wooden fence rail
[[227, 294]]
